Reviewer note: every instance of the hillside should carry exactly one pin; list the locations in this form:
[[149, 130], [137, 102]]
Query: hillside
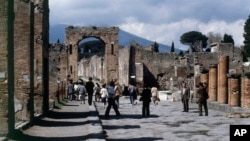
[[57, 32]]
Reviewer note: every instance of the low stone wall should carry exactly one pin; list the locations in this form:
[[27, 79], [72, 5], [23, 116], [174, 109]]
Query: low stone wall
[[226, 108]]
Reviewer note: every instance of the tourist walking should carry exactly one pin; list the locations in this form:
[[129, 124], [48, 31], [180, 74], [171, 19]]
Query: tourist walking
[[132, 93], [155, 95], [76, 91], [185, 95], [104, 95], [97, 92], [202, 98], [117, 93], [146, 99], [82, 92], [90, 89], [70, 90], [111, 101]]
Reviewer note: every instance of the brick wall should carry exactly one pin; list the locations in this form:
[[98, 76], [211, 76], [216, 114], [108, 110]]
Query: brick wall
[[3, 68], [22, 61], [109, 35], [38, 57]]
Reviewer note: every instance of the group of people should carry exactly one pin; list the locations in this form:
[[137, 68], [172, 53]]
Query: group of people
[[109, 95], [202, 94], [79, 91], [114, 91]]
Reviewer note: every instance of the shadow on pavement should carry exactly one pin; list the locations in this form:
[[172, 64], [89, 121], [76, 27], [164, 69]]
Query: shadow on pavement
[[67, 115], [102, 117], [137, 139], [112, 127], [46, 123], [22, 137]]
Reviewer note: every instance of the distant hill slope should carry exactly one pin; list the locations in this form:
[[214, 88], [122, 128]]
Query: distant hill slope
[[125, 38]]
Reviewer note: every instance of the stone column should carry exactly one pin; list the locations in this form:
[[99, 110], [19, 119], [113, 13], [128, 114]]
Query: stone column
[[234, 91], [212, 83], [222, 80], [245, 98]]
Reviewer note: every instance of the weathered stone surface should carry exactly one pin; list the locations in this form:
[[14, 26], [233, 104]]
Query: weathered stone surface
[[27, 28], [108, 35], [3, 68]]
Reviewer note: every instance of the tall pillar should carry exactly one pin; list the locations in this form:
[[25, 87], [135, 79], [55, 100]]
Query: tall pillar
[[234, 91], [6, 66], [245, 99], [222, 80], [212, 83]]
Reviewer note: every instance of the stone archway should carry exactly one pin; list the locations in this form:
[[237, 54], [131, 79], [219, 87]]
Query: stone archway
[[107, 34]]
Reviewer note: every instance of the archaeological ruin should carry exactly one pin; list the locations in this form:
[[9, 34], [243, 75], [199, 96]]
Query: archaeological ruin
[[34, 73]]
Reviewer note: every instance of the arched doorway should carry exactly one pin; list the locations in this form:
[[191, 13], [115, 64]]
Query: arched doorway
[[108, 35], [91, 51]]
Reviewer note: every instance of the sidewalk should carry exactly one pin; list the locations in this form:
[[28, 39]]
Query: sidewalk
[[74, 122]]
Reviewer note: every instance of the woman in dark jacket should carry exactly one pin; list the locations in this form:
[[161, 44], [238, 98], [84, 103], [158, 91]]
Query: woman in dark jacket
[[146, 99]]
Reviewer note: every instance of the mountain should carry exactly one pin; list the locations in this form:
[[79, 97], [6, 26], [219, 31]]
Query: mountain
[[125, 38]]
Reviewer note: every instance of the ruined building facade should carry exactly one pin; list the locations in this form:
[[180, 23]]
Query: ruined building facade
[[32, 72], [24, 61], [135, 63]]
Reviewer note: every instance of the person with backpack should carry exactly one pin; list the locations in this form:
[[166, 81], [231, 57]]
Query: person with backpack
[[111, 100]]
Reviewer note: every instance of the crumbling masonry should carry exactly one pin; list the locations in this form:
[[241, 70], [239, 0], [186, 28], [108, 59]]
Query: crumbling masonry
[[34, 74], [24, 62]]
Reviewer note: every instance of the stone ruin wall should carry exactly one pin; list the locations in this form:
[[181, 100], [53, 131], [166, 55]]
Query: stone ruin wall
[[155, 64], [165, 65], [57, 71], [31, 28], [3, 68], [124, 66], [108, 35], [23, 38], [22, 60]]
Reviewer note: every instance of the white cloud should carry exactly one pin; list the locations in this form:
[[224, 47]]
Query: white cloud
[[163, 21], [166, 33]]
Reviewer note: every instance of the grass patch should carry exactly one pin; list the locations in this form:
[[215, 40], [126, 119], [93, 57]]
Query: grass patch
[[58, 105]]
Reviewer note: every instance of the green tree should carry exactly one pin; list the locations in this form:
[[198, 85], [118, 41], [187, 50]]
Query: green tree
[[172, 47], [196, 40], [246, 41], [181, 53], [228, 39], [156, 47]]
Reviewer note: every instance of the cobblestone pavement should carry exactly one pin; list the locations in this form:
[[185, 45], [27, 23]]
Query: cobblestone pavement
[[167, 122]]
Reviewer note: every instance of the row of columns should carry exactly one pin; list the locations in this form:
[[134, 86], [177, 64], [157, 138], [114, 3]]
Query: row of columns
[[233, 89]]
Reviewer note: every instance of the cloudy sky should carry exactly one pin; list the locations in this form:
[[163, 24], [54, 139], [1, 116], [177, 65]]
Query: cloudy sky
[[162, 21]]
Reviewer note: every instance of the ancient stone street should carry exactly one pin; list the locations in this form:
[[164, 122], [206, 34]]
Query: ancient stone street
[[167, 122]]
